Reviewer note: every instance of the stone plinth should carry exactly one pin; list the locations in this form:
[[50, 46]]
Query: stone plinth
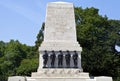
[[103, 78], [17, 78], [60, 73], [59, 79]]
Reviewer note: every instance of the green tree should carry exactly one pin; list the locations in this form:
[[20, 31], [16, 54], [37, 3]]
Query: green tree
[[27, 66], [40, 37], [12, 55], [97, 36], [2, 48]]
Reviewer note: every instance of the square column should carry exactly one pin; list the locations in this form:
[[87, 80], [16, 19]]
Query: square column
[[40, 61], [79, 60]]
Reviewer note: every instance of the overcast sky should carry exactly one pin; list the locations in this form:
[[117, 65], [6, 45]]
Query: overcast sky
[[21, 19]]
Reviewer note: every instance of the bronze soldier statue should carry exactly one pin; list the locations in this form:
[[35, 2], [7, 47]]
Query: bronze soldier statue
[[60, 59], [75, 59], [52, 57], [67, 58], [45, 59]]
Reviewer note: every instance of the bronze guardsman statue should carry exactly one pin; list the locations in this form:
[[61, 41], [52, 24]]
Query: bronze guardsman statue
[[45, 59], [67, 58], [60, 59], [75, 59], [52, 57]]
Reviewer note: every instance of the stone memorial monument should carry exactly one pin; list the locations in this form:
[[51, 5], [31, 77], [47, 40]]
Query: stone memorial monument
[[60, 53]]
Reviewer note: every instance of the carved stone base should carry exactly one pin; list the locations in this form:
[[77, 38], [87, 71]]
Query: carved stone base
[[22, 78], [60, 73], [57, 79]]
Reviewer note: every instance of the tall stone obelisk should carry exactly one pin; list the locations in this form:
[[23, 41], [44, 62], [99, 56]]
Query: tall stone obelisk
[[60, 28], [60, 31]]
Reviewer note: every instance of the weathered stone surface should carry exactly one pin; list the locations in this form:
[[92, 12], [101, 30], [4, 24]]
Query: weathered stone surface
[[16, 78], [60, 73], [30, 79], [60, 28], [60, 79], [103, 78], [60, 32], [90, 80]]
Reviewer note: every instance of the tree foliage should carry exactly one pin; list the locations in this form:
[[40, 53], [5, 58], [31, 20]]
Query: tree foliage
[[40, 37], [13, 56], [98, 37], [27, 66]]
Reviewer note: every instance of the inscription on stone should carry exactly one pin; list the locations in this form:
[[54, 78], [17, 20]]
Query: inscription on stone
[[60, 23]]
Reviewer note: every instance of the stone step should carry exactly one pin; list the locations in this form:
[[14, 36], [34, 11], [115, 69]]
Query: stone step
[[59, 73]]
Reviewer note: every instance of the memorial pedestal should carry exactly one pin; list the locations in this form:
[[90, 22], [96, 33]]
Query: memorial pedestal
[[60, 75]]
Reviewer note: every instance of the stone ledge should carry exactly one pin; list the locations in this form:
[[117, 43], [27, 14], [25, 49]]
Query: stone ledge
[[60, 45], [59, 79], [60, 73], [103, 78], [22, 78]]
